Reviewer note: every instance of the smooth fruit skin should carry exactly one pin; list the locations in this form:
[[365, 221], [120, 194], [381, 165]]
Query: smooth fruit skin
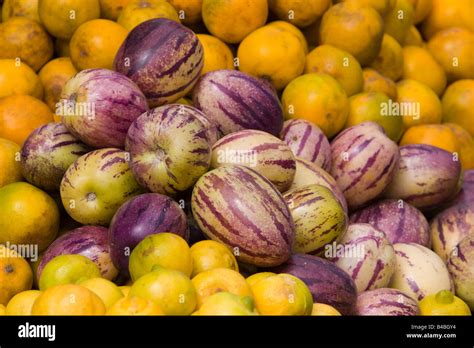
[[240, 208], [439, 135], [47, 153], [20, 8], [110, 9], [304, 12], [209, 254], [139, 11], [163, 58], [18, 79], [398, 21], [15, 274], [139, 217], [466, 145], [447, 14], [461, 267], [443, 303], [226, 303], [217, 55], [235, 101], [104, 104], [192, 10], [170, 148], [134, 305], [321, 309], [389, 61], [457, 104], [376, 82], [21, 303], [97, 184], [10, 166], [27, 215], [108, 292], [386, 302]]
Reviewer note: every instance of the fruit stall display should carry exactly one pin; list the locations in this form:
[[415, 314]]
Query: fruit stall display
[[239, 157]]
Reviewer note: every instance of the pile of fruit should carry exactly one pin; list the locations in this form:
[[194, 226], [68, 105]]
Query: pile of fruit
[[238, 157]]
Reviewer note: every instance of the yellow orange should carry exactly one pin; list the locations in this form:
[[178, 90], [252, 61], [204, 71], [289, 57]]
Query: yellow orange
[[15, 274], [458, 104], [375, 82], [18, 78], [139, 11], [209, 254], [134, 305], [10, 169], [217, 55], [438, 135], [22, 302]]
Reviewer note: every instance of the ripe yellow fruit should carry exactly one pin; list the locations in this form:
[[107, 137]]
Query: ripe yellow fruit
[[20, 8], [10, 169], [324, 309], [375, 82], [413, 38], [111, 9], [458, 101], [466, 145], [139, 11], [389, 62], [190, 11], [22, 302], [399, 20], [134, 305], [443, 303], [209, 254], [255, 278], [299, 13], [15, 274], [18, 78], [438, 135], [217, 55], [108, 292]]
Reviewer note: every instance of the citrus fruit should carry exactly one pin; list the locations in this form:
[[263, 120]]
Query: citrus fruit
[[422, 8], [125, 289], [446, 14], [189, 11], [294, 30], [139, 11], [15, 274], [389, 61], [18, 78], [458, 103], [108, 292], [2, 310], [438, 135], [21, 303], [27, 215], [324, 309], [226, 303], [398, 20], [413, 38], [20, 8], [134, 305], [466, 145], [382, 6], [209, 254], [299, 13], [68, 299], [217, 55], [10, 169], [443, 303], [111, 9], [254, 278], [375, 82]]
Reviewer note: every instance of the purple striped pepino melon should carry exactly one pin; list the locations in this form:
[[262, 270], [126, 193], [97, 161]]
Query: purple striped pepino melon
[[99, 105], [328, 283], [461, 267], [240, 208], [400, 221], [419, 271], [427, 176], [364, 161], [89, 241], [139, 217], [449, 227], [368, 257], [170, 148], [307, 141], [261, 151], [308, 173], [96, 185], [236, 101], [163, 57], [466, 195], [319, 218], [384, 301], [47, 153]]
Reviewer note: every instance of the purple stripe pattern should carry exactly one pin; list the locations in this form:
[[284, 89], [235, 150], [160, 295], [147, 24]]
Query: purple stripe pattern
[[386, 302], [461, 267]]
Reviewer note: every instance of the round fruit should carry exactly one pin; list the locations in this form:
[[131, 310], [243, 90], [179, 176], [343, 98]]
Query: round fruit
[[10, 169], [217, 55], [299, 13], [322, 309], [232, 20], [67, 269], [284, 25], [382, 6], [318, 98], [255, 278], [139, 11], [466, 145], [15, 274], [386, 302], [27, 216], [110, 9], [21, 303], [63, 18], [398, 20], [163, 58], [68, 299], [389, 61], [226, 303], [355, 29], [461, 267], [134, 305], [375, 82], [413, 38], [339, 64], [457, 102], [438, 135], [20, 115], [125, 290], [447, 14], [422, 9], [20, 8], [209, 254], [16, 37], [190, 12], [18, 78], [107, 291], [443, 303]]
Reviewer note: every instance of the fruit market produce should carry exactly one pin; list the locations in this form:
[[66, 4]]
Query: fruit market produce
[[237, 157]]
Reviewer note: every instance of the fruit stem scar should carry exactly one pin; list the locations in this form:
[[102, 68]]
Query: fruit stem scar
[[91, 196], [9, 269]]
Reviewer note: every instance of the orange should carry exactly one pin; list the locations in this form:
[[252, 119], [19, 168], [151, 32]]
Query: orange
[[110, 9], [209, 254], [25, 38], [413, 38], [61, 48], [189, 11], [422, 9], [20, 115], [399, 20], [420, 65], [18, 78], [294, 30], [458, 104], [382, 6], [54, 76], [339, 64], [15, 273], [389, 62], [297, 12], [375, 82], [139, 11], [446, 14], [108, 292], [273, 53], [95, 44], [318, 98], [27, 215], [62, 18], [134, 306], [216, 280], [438, 135], [324, 309], [68, 299], [226, 303], [424, 106], [254, 278], [125, 289], [466, 145], [20, 8], [454, 48], [353, 28], [443, 303], [217, 55], [10, 169], [232, 20], [21, 303]]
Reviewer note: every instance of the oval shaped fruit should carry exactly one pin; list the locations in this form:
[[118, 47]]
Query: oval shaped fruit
[[368, 257], [419, 271], [304, 13], [96, 185], [447, 14], [240, 208], [466, 145], [466, 195], [18, 78], [89, 241], [237, 101], [47, 153], [209, 254], [364, 162], [457, 104], [110, 9], [386, 302], [136, 12], [139, 217], [319, 218], [461, 267], [398, 20], [413, 38], [163, 58], [226, 303], [10, 166], [217, 55], [307, 141], [321, 309], [399, 221], [99, 105], [15, 274], [389, 61], [427, 176], [170, 148], [443, 303], [439, 135], [327, 283], [263, 152]]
